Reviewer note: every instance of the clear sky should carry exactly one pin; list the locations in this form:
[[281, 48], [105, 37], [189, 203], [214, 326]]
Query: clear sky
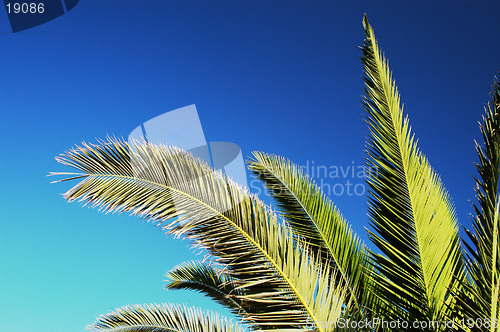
[[283, 77]]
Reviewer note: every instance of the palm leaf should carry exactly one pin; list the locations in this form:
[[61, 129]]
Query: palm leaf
[[283, 286], [314, 217], [208, 280], [162, 318], [481, 298], [412, 215]]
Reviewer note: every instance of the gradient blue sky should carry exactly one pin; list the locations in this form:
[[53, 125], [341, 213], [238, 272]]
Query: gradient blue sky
[[278, 76]]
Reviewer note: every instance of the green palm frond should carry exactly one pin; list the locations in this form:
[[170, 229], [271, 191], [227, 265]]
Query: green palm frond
[[314, 217], [208, 280], [481, 299], [283, 285], [163, 318], [409, 208]]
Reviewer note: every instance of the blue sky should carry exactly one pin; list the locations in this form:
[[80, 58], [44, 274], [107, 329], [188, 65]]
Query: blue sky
[[283, 77]]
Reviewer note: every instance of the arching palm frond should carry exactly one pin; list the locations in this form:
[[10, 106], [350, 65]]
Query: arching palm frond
[[283, 286], [481, 298], [409, 208], [162, 318], [314, 217], [208, 280]]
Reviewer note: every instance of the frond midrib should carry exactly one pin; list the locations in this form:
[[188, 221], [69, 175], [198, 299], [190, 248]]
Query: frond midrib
[[388, 89]]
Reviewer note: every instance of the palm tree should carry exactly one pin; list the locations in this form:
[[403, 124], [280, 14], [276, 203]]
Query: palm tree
[[301, 267]]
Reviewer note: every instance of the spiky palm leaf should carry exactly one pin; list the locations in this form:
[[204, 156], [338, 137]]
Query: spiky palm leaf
[[409, 208], [282, 285], [162, 318], [208, 280], [315, 218], [481, 298]]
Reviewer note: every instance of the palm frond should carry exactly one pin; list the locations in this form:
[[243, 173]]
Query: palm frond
[[411, 212], [283, 286], [481, 298], [163, 318], [314, 217], [208, 280]]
